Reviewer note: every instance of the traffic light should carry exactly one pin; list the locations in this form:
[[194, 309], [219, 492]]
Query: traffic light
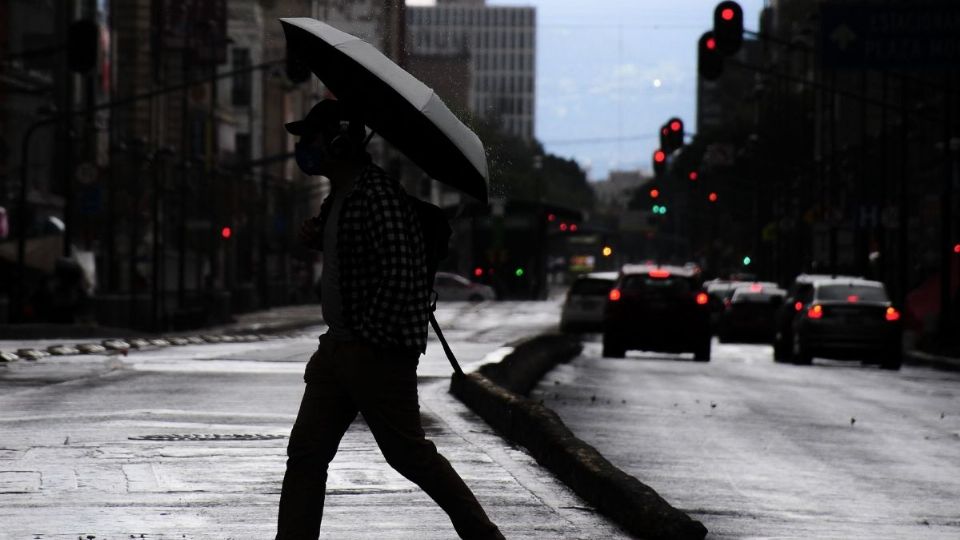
[[675, 133], [654, 193], [712, 197], [83, 38], [728, 27], [659, 209], [518, 272], [478, 272], [226, 233], [659, 162], [607, 251], [693, 176], [747, 260], [297, 71], [709, 61]]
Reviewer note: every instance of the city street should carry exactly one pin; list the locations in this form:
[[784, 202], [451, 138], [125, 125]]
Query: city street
[[188, 442], [755, 449]]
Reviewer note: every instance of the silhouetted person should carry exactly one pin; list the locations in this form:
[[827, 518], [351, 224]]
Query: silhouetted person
[[376, 302]]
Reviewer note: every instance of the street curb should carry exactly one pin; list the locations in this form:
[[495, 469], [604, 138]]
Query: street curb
[[920, 358], [494, 393], [137, 341]]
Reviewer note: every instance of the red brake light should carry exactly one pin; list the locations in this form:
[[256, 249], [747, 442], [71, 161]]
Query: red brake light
[[614, 295], [892, 314], [816, 312], [798, 306], [702, 298], [660, 274], [853, 298], [756, 287]]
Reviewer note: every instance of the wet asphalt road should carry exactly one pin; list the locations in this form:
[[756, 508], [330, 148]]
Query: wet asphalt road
[[97, 446], [755, 449]]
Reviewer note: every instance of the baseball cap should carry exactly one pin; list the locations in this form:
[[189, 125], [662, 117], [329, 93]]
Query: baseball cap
[[323, 116]]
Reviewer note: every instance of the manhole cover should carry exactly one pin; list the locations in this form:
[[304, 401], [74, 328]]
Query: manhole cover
[[190, 437]]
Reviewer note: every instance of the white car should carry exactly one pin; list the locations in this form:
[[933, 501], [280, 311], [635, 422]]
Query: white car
[[451, 286], [583, 309]]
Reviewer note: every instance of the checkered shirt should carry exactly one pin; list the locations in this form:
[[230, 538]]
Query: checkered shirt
[[383, 265]]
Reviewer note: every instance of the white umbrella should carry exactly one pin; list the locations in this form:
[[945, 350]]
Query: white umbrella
[[393, 103]]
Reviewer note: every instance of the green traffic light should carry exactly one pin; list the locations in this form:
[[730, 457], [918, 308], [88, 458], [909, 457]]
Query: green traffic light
[[747, 261], [518, 272], [663, 210]]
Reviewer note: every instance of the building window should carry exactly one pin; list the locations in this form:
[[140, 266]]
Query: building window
[[242, 83], [242, 147]]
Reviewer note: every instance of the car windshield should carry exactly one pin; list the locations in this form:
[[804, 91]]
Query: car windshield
[[863, 293], [651, 286], [591, 287]]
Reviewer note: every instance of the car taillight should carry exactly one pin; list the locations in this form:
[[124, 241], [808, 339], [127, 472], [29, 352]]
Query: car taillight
[[702, 299], [660, 274], [853, 299], [798, 306], [756, 287], [614, 295], [816, 312], [892, 314]]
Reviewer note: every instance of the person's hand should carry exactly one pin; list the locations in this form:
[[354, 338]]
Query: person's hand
[[310, 233]]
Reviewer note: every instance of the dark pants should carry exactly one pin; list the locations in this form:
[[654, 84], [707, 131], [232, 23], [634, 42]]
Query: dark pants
[[347, 377]]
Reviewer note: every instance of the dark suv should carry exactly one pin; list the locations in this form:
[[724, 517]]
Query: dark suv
[[783, 320], [846, 318], [657, 308]]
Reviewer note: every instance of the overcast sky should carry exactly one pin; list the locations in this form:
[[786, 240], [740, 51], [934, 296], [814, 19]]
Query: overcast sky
[[611, 72]]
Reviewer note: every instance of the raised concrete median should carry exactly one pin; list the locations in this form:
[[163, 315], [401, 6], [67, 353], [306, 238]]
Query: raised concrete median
[[497, 394]]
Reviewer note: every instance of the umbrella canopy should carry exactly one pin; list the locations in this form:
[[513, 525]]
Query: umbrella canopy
[[393, 103]]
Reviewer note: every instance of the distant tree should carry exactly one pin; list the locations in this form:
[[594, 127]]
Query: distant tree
[[513, 173]]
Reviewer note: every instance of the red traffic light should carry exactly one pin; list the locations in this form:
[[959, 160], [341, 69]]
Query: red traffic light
[[226, 232], [713, 196], [659, 156], [711, 44], [551, 217], [956, 248], [693, 176], [654, 193], [563, 227], [726, 14], [676, 125], [478, 272]]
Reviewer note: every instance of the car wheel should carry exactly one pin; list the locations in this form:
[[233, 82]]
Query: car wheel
[[801, 356], [892, 361], [702, 354], [612, 349], [781, 352]]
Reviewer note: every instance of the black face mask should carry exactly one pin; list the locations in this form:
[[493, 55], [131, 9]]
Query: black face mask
[[310, 158]]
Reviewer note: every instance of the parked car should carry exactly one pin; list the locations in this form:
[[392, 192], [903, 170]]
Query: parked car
[[783, 334], [657, 308], [451, 286], [847, 319], [749, 315], [585, 303]]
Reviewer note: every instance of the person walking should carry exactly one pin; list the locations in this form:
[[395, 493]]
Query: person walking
[[375, 299]]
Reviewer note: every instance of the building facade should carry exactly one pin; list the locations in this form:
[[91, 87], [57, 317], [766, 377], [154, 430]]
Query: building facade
[[500, 45]]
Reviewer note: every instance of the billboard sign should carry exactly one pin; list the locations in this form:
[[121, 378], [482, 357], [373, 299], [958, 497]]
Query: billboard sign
[[895, 35]]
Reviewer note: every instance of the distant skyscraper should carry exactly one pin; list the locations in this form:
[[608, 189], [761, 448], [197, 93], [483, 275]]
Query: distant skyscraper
[[500, 45]]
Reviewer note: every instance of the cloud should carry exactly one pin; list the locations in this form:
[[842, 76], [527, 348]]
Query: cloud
[[626, 81]]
